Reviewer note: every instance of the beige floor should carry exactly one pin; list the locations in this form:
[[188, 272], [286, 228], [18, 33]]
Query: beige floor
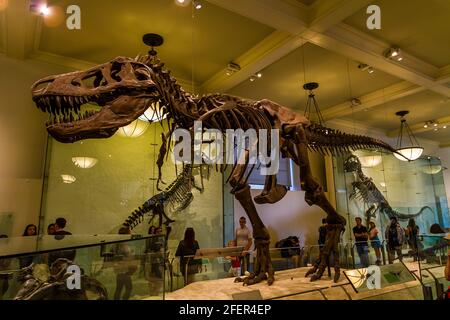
[[292, 285]]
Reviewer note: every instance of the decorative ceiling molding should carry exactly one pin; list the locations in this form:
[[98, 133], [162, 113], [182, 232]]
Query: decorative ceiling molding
[[287, 19], [283, 16], [419, 127], [444, 75], [269, 50], [373, 99], [341, 40]]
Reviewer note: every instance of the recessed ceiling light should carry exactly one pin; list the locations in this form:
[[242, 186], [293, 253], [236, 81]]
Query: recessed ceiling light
[[435, 129], [425, 125], [435, 125], [252, 78], [445, 127], [259, 74], [370, 70]]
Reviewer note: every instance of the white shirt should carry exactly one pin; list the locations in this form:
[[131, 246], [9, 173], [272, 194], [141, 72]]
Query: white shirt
[[242, 236]]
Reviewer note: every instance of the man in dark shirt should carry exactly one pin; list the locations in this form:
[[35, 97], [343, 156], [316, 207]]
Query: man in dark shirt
[[59, 234], [361, 237]]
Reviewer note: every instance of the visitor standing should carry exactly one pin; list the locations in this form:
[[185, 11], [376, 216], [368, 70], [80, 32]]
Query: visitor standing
[[395, 236], [124, 267], [412, 233], [361, 237], [375, 241], [186, 250], [30, 231], [243, 238]]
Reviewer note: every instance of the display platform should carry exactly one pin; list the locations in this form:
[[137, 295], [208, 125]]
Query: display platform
[[292, 285]]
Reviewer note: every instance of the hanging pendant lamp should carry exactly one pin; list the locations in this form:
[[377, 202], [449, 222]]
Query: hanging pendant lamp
[[411, 151], [310, 86]]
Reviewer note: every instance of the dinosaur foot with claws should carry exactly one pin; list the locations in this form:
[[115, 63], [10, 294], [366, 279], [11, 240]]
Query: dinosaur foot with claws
[[263, 266]]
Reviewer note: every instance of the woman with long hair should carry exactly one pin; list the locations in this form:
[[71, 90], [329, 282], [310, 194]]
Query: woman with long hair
[[412, 232], [375, 241], [30, 230], [186, 249]]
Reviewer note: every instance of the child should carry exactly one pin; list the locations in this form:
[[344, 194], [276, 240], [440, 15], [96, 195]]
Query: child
[[235, 269]]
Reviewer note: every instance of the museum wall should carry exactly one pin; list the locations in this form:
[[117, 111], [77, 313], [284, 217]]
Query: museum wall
[[22, 144]]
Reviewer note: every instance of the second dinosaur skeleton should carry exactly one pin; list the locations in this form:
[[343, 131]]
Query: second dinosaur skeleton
[[124, 88], [364, 189]]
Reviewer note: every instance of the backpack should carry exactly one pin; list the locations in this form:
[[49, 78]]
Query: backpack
[[394, 237], [288, 243]]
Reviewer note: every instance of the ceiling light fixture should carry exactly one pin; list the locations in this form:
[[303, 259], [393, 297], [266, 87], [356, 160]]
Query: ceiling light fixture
[[197, 5], [365, 67], [67, 178], [155, 112], [232, 68], [84, 162], [135, 129], [310, 86], [393, 53], [412, 151], [255, 76], [370, 161]]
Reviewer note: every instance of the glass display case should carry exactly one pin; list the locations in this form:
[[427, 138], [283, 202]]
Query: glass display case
[[118, 267], [407, 189]]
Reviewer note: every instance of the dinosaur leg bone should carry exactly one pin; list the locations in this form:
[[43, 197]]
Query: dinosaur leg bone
[[263, 268], [272, 192]]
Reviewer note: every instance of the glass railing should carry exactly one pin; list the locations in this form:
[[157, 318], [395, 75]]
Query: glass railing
[[111, 266]]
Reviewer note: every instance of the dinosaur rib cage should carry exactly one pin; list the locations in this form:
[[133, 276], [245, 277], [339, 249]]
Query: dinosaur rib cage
[[177, 196]]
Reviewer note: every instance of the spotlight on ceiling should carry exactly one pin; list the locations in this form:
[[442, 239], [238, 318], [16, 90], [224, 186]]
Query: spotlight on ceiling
[[429, 123], [197, 5], [393, 53], [232, 67], [365, 67], [355, 102]]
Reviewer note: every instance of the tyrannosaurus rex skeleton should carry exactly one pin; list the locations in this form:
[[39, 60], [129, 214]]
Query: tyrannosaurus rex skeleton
[[124, 88]]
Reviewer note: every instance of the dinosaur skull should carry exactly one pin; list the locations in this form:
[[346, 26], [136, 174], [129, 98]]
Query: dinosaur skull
[[122, 88], [352, 164]]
